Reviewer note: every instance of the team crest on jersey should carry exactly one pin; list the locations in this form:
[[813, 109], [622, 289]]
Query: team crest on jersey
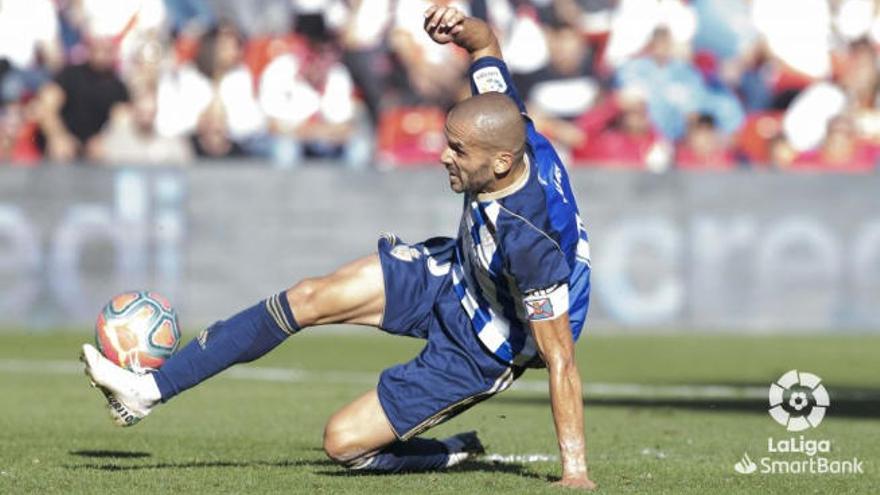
[[405, 253], [540, 309], [489, 79]]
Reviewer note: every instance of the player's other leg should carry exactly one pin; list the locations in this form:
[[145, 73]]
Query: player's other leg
[[360, 436], [379, 431], [352, 294]]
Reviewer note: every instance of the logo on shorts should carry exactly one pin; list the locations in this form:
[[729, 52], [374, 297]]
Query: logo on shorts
[[798, 400], [404, 252], [540, 309], [438, 269]]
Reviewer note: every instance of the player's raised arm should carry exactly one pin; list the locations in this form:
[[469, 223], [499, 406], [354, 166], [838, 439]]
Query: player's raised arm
[[448, 24], [488, 72], [556, 347]]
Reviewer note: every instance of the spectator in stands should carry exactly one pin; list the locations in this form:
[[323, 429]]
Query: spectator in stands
[[723, 28], [261, 17], [146, 65], [857, 19], [29, 43], [695, 63], [798, 35], [671, 85], [860, 80], [432, 74], [30, 53], [17, 132], [211, 140], [185, 92], [853, 91], [309, 98], [219, 61], [75, 107], [780, 153], [676, 89], [565, 88], [526, 45], [618, 132], [361, 39], [131, 137], [703, 147], [840, 151], [636, 22], [754, 73], [190, 15], [421, 80]]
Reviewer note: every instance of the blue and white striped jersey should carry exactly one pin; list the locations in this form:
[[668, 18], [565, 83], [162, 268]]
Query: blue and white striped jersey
[[522, 253]]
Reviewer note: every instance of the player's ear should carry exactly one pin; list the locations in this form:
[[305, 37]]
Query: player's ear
[[502, 163]]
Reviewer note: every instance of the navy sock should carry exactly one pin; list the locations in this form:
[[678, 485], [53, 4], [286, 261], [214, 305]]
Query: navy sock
[[416, 454], [240, 339]]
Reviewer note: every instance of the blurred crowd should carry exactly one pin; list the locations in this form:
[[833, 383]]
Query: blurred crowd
[[640, 84]]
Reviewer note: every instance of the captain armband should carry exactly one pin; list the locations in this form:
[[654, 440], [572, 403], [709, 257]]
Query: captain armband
[[547, 304]]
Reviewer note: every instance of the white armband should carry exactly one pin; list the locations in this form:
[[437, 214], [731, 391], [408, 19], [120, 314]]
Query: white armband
[[547, 304]]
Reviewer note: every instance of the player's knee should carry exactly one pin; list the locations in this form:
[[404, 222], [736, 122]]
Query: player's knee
[[339, 445], [301, 298]]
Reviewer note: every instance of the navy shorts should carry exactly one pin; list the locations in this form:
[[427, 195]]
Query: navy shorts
[[454, 371]]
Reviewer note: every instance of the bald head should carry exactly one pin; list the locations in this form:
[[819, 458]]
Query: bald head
[[485, 142], [494, 122]]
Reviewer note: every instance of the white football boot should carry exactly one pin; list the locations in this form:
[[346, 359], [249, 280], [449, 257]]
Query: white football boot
[[130, 397]]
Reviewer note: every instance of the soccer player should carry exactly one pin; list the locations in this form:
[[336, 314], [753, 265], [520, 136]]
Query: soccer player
[[510, 292]]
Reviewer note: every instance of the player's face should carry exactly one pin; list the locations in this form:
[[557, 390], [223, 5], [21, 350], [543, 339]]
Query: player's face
[[468, 164]]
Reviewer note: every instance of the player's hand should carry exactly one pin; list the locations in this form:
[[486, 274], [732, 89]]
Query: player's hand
[[577, 483], [443, 23]]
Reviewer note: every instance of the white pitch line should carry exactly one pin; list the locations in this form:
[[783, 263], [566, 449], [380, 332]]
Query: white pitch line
[[292, 375], [519, 458]]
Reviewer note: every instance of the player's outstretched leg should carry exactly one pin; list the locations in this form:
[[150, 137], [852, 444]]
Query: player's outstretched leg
[[360, 437], [352, 294]]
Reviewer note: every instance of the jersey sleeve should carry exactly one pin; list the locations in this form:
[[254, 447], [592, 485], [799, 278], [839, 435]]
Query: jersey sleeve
[[489, 74], [532, 257], [539, 269]]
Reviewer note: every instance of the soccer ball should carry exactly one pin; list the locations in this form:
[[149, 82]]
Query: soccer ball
[[138, 331]]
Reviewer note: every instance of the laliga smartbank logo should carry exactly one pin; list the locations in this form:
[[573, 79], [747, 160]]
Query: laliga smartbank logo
[[798, 401]]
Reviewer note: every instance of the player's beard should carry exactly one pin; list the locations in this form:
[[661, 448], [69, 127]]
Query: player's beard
[[455, 183], [474, 183]]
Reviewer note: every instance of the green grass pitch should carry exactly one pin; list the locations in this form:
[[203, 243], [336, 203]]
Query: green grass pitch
[[259, 430]]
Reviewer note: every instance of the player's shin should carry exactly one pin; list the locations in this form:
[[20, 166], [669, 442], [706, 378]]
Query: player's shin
[[421, 454], [239, 339]]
